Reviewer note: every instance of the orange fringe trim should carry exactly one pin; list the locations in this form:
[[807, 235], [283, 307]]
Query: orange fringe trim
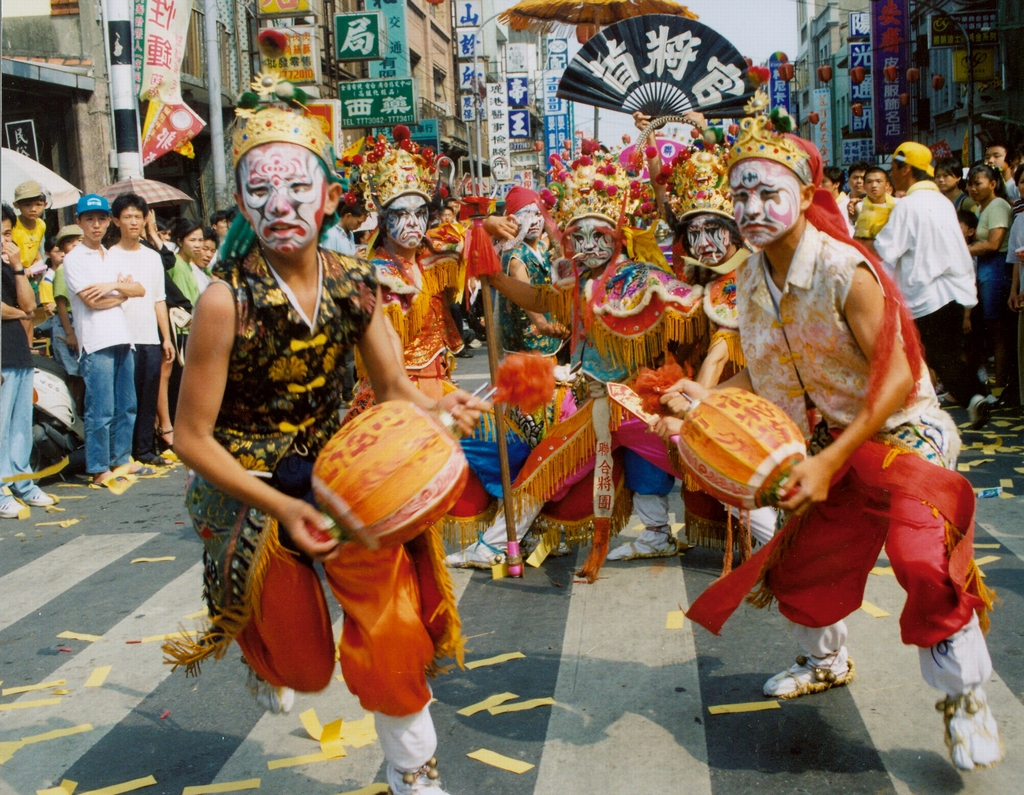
[[580, 532], [463, 530], [643, 349], [452, 644], [732, 342], [973, 583], [447, 273], [227, 623], [705, 532]]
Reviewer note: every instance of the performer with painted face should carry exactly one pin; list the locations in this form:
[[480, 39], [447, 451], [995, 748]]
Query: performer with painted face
[[260, 397], [829, 340]]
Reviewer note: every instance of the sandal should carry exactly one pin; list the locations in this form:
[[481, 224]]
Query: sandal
[[162, 434]]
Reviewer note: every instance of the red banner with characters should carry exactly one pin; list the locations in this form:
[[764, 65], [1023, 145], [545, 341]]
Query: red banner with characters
[[890, 36]]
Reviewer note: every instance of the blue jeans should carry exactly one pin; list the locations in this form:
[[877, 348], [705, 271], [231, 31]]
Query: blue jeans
[[109, 407], [16, 428]]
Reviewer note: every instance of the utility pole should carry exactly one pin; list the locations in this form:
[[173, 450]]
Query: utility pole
[[220, 185], [124, 107]]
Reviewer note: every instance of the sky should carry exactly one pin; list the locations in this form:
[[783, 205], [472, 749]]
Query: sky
[[757, 28]]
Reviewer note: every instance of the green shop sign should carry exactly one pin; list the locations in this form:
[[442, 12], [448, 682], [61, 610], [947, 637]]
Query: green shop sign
[[360, 36], [378, 103]]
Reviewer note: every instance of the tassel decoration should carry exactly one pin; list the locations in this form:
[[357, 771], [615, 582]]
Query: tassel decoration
[[525, 380]]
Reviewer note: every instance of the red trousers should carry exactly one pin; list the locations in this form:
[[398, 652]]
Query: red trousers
[[386, 644]]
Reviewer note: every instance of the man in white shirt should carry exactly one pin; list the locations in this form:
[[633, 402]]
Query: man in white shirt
[[147, 318], [923, 246], [341, 237], [98, 291]]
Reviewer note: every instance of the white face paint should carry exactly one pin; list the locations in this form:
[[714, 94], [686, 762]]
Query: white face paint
[[766, 199], [708, 239], [593, 242], [531, 220], [405, 220], [283, 187]]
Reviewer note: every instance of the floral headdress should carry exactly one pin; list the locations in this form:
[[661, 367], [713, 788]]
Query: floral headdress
[[388, 171], [598, 185]]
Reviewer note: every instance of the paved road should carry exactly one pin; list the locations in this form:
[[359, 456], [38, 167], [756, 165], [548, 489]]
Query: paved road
[[632, 697]]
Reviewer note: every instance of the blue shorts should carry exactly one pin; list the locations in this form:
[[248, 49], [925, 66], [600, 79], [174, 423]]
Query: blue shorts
[[994, 283]]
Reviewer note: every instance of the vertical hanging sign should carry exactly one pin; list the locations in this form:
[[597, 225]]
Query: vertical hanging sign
[[821, 133], [497, 125], [890, 33], [778, 89], [396, 60]]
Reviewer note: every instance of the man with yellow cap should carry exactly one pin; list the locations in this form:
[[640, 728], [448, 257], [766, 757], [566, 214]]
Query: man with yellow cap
[[260, 397], [923, 246]]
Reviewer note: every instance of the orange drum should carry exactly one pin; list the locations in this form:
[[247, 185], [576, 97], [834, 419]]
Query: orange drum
[[389, 474], [740, 447]]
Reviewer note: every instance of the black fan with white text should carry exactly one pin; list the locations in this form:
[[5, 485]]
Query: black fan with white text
[[659, 65]]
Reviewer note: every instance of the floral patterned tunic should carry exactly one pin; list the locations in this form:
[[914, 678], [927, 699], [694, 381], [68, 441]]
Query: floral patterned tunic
[[518, 333], [284, 381]]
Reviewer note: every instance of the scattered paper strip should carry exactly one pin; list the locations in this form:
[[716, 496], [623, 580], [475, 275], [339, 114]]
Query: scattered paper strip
[[13, 691], [44, 702], [128, 786], [499, 570], [312, 724], [987, 559], [519, 706], [512, 655], [749, 706], [227, 786], [503, 762], [873, 610], [487, 703], [66, 788], [674, 620], [153, 560], [204, 613], [987, 546], [330, 740], [878, 571], [540, 553], [56, 734], [370, 789], [359, 733], [294, 761], [65, 523], [169, 636], [98, 676], [80, 636]]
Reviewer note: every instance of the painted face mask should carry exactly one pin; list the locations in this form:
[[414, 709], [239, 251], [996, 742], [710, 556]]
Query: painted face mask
[[708, 239], [406, 220], [283, 187], [766, 198], [531, 220], [593, 242]]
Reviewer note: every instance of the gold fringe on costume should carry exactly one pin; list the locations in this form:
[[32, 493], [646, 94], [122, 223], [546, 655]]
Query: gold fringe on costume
[[580, 532], [973, 583], [227, 623], [642, 349], [732, 342], [706, 533], [444, 273], [557, 302], [452, 644], [464, 530]]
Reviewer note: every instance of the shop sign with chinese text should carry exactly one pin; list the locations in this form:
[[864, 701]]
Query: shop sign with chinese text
[[360, 36], [497, 125], [378, 103], [890, 34], [328, 113], [279, 8], [21, 137], [395, 62], [300, 62], [821, 133], [944, 30], [778, 89]]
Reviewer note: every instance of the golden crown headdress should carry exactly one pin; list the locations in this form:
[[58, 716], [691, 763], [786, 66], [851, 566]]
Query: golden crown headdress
[[699, 182], [271, 112], [761, 136], [389, 171], [598, 185]]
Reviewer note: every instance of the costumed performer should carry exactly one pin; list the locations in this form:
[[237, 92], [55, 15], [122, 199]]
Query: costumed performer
[[829, 340], [260, 397]]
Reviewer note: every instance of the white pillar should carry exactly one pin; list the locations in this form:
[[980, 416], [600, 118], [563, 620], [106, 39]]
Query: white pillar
[[221, 199], [125, 109]]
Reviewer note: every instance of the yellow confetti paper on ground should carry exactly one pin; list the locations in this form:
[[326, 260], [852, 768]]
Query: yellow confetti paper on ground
[[56, 734], [43, 702], [80, 636], [98, 676], [13, 691], [8, 748], [76, 496], [674, 620], [153, 560], [69, 486], [987, 559], [370, 789], [987, 546], [873, 610], [65, 523], [312, 724], [359, 733], [169, 636], [487, 703], [227, 786], [749, 706], [499, 570], [519, 706], [540, 553], [879, 571], [55, 509], [198, 614], [66, 788], [128, 786], [330, 740], [1005, 495], [295, 761], [512, 655], [503, 762], [1006, 483]]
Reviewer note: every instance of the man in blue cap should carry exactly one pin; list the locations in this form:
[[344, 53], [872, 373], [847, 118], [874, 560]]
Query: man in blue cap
[[104, 344]]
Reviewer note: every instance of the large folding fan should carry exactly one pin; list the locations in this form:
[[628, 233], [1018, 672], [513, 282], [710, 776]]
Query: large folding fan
[[659, 65]]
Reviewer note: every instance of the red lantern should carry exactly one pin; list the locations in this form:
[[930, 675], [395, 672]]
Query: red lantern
[[782, 57], [913, 74], [938, 81], [435, 2], [857, 109], [786, 71], [585, 32], [538, 146], [904, 99], [695, 133], [825, 73], [891, 74], [857, 74], [813, 117], [733, 129]]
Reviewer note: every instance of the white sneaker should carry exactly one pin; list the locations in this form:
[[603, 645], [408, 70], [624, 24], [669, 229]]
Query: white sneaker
[[424, 781], [475, 556], [273, 699], [972, 735], [39, 499], [978, 411], [9, 508], [653, 543], [475, 343], [811, 675]]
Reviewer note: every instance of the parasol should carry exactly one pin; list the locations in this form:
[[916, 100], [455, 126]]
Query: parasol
[[540, 15], [18, 168], [156, 194]]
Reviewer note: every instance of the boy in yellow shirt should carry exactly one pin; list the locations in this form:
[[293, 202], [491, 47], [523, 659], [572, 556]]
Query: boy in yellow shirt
[[30, 229], [876, 206]]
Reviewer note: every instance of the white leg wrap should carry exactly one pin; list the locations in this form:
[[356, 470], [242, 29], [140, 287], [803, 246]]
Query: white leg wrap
[[408, 742], [958, 664], [821, 641], [651, 509], [496, 536]]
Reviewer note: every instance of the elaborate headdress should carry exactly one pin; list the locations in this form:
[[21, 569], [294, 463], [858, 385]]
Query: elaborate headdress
[[699, 182], [762, 136], [598, 185], [390, 171]]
